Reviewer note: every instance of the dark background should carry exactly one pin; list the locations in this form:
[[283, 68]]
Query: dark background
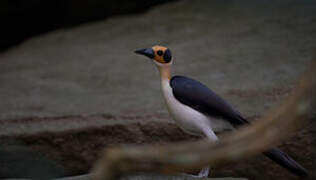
[[23, 19]]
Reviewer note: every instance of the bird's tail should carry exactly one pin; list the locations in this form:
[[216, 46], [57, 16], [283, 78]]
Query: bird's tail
[[286, 161]]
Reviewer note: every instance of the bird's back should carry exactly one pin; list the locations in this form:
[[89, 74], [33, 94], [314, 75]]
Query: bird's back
[[199, 97]]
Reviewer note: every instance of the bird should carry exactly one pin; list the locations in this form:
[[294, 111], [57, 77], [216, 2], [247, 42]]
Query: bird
[[198, 110]]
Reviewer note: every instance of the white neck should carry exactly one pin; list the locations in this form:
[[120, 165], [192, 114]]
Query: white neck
[[165, 71]]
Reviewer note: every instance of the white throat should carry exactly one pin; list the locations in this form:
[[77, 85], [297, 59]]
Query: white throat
[[164, 70]]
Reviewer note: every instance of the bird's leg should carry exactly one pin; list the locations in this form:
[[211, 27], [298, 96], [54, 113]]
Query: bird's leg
[[209, 133], [204, 172]]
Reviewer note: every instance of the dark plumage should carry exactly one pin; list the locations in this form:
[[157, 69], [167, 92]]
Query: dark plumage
[[199, 97]]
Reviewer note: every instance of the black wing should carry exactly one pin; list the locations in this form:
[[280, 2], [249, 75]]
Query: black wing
[[196, 95], [199, 97]]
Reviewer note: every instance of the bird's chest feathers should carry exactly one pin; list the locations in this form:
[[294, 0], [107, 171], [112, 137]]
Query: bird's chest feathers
[[187, 118]]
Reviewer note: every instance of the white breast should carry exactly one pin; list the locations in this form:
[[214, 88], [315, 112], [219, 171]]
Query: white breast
[[188, 118]]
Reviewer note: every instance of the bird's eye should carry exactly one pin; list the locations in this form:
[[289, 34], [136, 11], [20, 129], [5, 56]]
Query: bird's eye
[[159, 52]]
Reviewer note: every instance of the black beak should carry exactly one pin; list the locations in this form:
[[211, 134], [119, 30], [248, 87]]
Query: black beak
[[149, 52]]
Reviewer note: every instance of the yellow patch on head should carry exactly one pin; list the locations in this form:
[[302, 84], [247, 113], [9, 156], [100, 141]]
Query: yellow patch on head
[[159, 53]]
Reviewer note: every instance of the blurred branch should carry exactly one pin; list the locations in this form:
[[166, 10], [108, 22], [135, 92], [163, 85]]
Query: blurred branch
[[244, 143]]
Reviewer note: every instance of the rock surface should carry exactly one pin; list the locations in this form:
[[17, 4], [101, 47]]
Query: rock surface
[[147, 177], [71, 92]]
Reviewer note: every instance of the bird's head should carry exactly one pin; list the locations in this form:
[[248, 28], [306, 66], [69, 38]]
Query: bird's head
[[160, 55]]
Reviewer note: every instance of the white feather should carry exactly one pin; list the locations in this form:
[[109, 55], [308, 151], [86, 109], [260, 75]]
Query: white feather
[[189, 119]]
